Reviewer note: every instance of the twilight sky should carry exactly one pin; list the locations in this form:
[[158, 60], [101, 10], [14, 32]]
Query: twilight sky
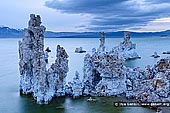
[[89, 15]]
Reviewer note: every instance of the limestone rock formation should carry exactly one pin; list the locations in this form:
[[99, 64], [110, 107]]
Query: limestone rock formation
[[102, 47], [104, 72], [43, 84], [57, 73], [151, 84], [76, 85], [32, 65], [103, 75], [126, 49]]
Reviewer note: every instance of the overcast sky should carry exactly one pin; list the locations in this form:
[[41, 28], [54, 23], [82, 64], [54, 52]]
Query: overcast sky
[[89, 15]]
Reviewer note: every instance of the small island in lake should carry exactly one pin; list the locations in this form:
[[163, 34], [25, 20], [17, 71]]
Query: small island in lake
[[155, 55], [79, 50]]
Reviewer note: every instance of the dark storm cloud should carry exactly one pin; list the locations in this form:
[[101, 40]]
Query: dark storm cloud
[[84, 6], [114, 14]]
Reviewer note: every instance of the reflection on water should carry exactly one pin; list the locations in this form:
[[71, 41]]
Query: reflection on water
[[81, 105], [12, 102], [28, 105]]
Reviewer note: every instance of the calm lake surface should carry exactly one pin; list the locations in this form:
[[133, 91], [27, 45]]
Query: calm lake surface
[[12, 102]]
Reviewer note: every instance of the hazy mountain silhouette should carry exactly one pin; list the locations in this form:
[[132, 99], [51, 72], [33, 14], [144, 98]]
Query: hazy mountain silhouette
[[6, 32]]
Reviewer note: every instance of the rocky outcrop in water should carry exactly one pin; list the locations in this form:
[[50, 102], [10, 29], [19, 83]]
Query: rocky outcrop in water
[[105, 75], [56, 74], [126, 50], [154, 84], [102, 47], [76, 85], [104, 72], [31, 53], [43, 84]]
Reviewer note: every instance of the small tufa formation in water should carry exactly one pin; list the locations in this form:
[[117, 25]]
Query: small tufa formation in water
[[126, 49], [79, 50], [43, 84], [155, 55]]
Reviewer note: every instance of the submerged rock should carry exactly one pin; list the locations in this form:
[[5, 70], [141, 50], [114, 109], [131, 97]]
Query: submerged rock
[[43, 84]]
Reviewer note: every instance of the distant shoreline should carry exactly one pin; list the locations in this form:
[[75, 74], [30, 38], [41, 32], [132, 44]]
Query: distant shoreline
[[6, 32], [87, 37]]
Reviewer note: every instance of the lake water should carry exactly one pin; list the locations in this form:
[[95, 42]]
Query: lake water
[[12, 102]]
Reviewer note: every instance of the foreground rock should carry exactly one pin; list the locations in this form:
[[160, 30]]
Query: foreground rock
[[43, 84], [56, 74], [155, 85], [76, 85], [105, 75], [32, 65], [104, 72]]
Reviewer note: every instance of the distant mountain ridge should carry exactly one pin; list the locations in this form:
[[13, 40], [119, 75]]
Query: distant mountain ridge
[[6, 32]]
